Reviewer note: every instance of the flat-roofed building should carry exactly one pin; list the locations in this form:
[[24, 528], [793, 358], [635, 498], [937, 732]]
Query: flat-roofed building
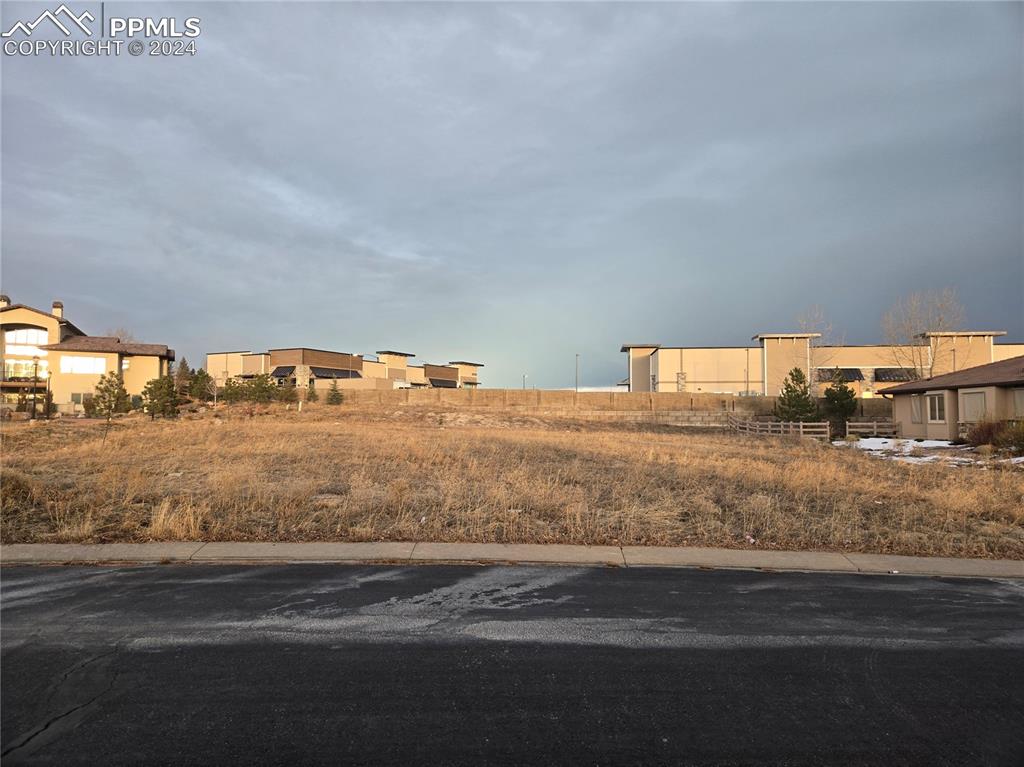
[[43, 351], [759, 369], [304, 367]]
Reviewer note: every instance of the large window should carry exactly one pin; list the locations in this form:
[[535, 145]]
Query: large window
[[974, 406], [24, 370], [90, 365], [26, 337], [916, 415], [936, 408]]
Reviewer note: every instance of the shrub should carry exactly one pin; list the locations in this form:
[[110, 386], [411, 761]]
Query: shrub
[[311, 395], [1011, 437], [160, 397], [984, 433], [287, 392]]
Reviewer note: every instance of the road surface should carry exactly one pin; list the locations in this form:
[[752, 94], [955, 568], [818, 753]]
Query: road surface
[[329, 664]]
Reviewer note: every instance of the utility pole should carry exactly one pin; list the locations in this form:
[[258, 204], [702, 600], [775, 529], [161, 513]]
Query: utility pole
[[577, 373]]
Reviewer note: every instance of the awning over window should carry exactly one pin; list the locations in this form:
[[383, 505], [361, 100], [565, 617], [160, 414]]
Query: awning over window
[[893, 375], [334, 373], [825, 375], [443, 383], [284, 371]]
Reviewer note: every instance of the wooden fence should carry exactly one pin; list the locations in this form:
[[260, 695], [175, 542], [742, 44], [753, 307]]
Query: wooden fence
[[873, 428], [816, 429]]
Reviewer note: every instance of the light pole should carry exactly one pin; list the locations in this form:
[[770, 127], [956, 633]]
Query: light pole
[[35, 383], [577, 373], [48, 398], [524, 381]]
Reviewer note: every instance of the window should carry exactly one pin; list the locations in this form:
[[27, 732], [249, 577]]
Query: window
[[974, 406], [24, 370], [89, 365], [27, 337], [124, 364], [936, 408], [1018, 403], [915, 408]]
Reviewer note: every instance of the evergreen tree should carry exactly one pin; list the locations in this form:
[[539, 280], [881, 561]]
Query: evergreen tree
[[795, 402], [311, 395], [160, 397], [234, 391], [183, 378], [110, 396], [202, 386], [260, 389], [840, 399], [287, 392], [334, 395]]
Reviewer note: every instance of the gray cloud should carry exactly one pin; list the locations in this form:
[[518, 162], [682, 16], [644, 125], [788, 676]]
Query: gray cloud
[[521, 182]]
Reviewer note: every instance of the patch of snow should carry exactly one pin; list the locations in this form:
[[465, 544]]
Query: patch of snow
[[895, 445]]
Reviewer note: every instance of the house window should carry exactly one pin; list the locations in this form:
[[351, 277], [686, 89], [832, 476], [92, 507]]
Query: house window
[[936, 408], [89, 365], [1018, 403], [26, 337], [124, 363], [915, 408], [974, 406]]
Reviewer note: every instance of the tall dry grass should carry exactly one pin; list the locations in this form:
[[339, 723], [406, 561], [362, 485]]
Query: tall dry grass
[[359, 477]]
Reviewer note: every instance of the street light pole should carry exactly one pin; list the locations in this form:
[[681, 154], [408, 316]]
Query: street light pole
[[35, 384]]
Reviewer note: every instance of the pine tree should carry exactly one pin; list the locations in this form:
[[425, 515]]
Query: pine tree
[[202, 386], [160, 397], [311, 395], [260, 389], [183, 377], [334, 395], [840, 399], [795, 402], [110, 396]]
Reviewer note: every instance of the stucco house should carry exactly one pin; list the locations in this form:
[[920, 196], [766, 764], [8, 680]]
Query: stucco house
[[945, 406]]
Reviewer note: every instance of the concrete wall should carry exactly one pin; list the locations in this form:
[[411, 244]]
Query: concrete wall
[[1006, 351], [781, 355], [708, 370]]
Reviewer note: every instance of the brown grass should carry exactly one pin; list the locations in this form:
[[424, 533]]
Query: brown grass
[[344, 476]]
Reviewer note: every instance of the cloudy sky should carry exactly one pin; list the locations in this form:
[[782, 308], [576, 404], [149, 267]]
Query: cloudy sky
[[518, 183]]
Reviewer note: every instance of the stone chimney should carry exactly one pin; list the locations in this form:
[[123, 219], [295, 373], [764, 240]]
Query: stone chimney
[[58, 309], [5, 301]]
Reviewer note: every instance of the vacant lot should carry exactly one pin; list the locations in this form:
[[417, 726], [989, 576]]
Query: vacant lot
[[359, 476]]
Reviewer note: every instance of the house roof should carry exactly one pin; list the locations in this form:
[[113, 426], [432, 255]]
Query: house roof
[[1008, 372], [110, 344], [68, 323]]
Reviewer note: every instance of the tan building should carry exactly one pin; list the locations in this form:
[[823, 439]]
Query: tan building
[[945, 406], [44, 351], [319, 368], [759, 370]]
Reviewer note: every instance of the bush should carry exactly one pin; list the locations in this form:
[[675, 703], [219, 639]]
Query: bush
[[984, 433], [311, 395], [1011, 437], [287, 392]]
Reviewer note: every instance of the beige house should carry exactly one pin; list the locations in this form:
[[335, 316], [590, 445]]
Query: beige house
[[43, 351], [759, 370], [945, 406], [321, 369]]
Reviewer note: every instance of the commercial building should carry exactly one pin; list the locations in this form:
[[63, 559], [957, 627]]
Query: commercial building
[[759, 370], [304, 367], [43, 351], [945, 406]]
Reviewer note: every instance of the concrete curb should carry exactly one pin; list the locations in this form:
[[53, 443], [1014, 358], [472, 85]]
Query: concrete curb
[[624, 556]]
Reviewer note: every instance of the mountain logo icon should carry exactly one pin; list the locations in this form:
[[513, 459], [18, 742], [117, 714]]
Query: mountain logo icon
[[63, 12]]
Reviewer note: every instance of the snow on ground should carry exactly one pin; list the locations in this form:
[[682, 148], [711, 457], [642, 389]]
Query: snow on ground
[[940, 451]]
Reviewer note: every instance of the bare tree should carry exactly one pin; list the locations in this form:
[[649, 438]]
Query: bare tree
[[125, 335], [906, 328], [813, 320]]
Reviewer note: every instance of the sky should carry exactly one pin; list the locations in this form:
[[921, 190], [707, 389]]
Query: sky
[[519, 183]]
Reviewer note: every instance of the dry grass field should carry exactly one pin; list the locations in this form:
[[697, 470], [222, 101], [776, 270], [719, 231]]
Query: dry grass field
[[344, 475]]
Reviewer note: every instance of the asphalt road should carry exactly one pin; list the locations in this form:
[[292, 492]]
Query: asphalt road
[[350, 665]]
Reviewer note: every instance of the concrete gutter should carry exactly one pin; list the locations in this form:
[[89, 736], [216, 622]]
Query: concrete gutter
[[422, 553]]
